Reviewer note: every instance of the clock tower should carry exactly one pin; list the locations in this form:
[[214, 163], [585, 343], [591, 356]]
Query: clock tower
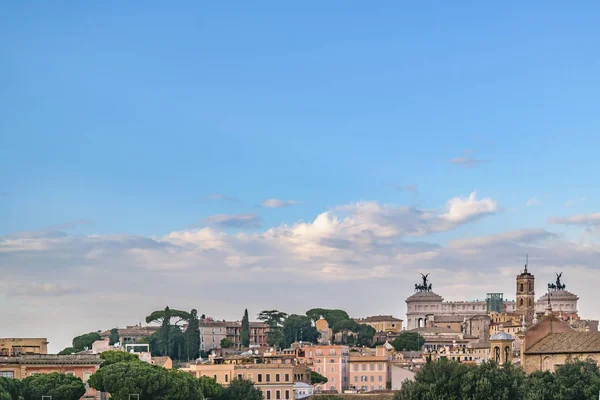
[[526, 294]]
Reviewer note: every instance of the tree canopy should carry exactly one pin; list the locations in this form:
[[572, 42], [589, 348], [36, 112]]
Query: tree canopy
[[245, 332], [114, 336], [192, 337], [241, 389], [59, 386], [274, 319], [11, 388], [210, 388], [316, 378], [408, 341], [450, 380], [226, 343], [151, 382], [299, 327], [113, 357]]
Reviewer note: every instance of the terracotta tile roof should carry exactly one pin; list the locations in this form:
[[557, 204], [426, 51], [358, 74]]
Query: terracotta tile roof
[[571, 342], [379, 318]]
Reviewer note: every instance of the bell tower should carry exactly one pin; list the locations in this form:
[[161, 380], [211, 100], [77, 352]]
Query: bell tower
[[526, 294]]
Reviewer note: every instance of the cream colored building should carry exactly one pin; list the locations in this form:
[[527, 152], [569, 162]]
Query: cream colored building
[[23, 346], [382, 323], [276, 381]]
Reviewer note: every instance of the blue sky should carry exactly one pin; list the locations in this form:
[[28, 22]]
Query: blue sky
[[130, 117]]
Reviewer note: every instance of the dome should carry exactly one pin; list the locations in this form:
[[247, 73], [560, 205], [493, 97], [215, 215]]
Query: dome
[[501, 336], [425, 296]]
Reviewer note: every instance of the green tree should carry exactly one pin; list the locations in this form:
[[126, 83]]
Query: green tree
[[210, 388], [241, 389], [436, 380], [226, 343], [490, 381], [408, 341], [299, 327], [540, 385], [12, 388], [170, 341], [66, 351], [84, 341], [245, 332], [365, 334], [578, 380], [192, 337], [114, 336], [113, 357], [274, 319], [59, 386], [316, 378], [149, 381]]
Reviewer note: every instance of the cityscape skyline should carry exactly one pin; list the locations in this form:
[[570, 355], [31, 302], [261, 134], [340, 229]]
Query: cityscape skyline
[[291, 156]]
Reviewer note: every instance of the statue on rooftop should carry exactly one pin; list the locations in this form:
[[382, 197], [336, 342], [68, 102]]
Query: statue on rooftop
[[424, 287]]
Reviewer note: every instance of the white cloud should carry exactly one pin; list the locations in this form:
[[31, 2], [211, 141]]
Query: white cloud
[[373, 248], [534, 201], [276, 203], [585, 220], [574, 201]]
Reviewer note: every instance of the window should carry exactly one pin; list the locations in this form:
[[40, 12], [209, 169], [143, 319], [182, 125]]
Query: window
[[268, 395], [215, 377], [380, 387], [310, 353], [380, 367], [372, 367], [332, 379], [372, 378], [287, 395], [380, 378], [372, 387], [278, 395], [332, 361], [268, 377], [332, 369], [240, 377], [521, 286], [521, 302], [364, 367], [332, 352], [259, 378], [287, 377], [355, 378], [226, 378], [277, 378], [356, 367], [7, 374]]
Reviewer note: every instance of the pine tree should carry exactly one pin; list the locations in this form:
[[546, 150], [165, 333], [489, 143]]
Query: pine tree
[[245, 333], [192, 337]]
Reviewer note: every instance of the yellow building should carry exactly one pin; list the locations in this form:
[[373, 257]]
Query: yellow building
[[276, 381], [382, 323], [23, 346]]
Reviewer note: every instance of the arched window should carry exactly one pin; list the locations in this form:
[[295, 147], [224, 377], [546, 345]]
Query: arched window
[[530, 286], [497, 354], [506, 354], [521, 286], [521, 302]]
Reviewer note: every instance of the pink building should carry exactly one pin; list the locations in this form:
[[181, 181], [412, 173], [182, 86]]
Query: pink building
[[330, 361]]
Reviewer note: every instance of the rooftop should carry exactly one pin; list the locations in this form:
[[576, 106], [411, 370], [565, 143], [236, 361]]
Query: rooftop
[[380, 318], [571, 342], [53, 359]]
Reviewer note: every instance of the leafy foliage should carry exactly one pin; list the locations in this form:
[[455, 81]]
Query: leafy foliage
[[149, 381], [245, 332], [11, 388], [226, 343], [298, 327], [451, 380], [274, 319], [192, 337], [241, 389], [170, 339], [408, 341], [332, 316], [113, 357], [59, 386], [210, 388], [66, 351], [114, 336], [86, 340], [316, 378]]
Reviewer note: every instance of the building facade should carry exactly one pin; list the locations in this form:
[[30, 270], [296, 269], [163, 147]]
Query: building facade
[[367, 373], [382, 323], [81, 366], [275, 381], [10, 347], [526, 295]]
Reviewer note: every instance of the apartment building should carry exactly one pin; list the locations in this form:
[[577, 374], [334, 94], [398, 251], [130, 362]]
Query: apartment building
[[11, 347], [276, 381], [382, 323], [81, 366], [212, 332], [331, 361]]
